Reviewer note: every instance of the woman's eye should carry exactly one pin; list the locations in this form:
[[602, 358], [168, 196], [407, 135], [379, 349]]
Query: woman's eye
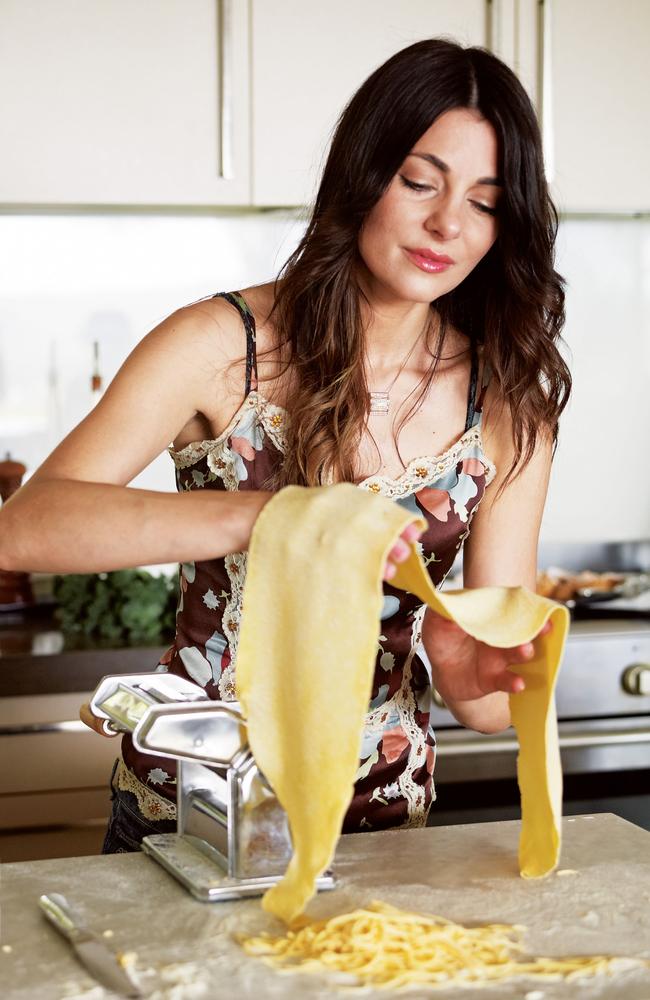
[[484, 208], [414, 186]]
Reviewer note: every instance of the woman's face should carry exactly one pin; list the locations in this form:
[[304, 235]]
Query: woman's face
[[442, 202]]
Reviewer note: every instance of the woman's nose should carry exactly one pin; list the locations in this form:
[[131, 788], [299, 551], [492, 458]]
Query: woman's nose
[[444, 220]]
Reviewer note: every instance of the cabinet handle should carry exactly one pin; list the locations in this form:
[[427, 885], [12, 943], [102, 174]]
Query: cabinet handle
[[544, 84], [224, 32]]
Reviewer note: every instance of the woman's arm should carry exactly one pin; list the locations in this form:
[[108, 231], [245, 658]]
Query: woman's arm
[[473, 679], [77, 514]]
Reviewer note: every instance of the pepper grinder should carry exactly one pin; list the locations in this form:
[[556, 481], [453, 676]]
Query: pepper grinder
[[15, 587]]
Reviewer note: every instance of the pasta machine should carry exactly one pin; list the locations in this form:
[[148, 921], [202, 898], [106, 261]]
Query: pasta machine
[[232, 836]]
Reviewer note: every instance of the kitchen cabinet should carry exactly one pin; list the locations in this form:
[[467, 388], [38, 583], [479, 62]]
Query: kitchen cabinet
[[233, 102], [54, 777], [585, 67], [118, 103], [124, 102], [597, 79], [583, 63], [54, 780], [307, 63]]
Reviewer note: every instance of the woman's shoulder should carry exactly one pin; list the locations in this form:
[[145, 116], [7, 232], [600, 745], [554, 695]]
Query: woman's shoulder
[[212, 325], [499, 431], [200, 346], [260, 300], [222, 320]]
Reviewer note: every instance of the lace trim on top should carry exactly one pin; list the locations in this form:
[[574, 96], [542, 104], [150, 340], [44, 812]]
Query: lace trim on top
[[419, 471], [152, 805], [271, 417]]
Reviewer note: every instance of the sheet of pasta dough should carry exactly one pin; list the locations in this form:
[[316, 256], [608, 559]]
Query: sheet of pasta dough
[[308, 642]]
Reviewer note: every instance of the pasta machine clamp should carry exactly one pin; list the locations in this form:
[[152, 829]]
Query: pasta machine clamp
[[232, 837]]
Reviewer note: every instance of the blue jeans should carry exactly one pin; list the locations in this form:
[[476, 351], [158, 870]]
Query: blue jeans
[[127, 826]]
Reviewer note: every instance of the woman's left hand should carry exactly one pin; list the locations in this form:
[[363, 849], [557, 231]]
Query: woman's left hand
[[465, 669], [401, 550]]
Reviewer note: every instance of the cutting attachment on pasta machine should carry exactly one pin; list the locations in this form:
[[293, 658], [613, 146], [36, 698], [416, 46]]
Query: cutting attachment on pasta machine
[[232, 836]]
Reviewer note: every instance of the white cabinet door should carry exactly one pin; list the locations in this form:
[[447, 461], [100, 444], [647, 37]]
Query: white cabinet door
[[309, 58], [599, 64], [124, 102]]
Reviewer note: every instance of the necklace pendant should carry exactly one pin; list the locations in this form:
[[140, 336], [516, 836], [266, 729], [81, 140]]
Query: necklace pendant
[[379, 402]]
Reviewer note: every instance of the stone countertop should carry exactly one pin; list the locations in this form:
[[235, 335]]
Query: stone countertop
[[185, 949]]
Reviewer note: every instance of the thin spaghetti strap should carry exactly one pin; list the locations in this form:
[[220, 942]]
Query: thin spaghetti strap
[[485, 381], [471, 395], [237, 300]]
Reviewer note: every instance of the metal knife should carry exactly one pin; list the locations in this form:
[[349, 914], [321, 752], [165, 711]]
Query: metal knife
[[91, 951]]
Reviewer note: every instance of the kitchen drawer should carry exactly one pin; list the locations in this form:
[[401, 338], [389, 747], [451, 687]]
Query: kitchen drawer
[[55, 808], [54, 769], [35, 762]]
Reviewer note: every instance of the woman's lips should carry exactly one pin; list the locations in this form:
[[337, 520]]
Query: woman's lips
[[430, 263]]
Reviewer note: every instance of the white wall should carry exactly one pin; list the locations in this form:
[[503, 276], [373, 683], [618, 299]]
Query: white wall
[[66, 281]]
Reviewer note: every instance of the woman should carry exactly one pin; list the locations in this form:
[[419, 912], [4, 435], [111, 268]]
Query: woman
[[411, 340]]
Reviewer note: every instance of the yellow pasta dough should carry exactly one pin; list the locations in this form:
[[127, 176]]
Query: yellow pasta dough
[[309, 631], [510, 616]]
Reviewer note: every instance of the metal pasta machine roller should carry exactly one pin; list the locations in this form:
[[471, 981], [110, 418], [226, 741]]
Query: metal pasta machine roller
[[232, 836]]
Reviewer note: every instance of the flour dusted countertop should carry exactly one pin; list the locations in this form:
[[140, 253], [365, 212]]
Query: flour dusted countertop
[[598, 902]]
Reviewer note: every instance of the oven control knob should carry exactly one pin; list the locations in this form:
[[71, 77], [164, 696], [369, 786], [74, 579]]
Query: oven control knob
[[636, 679]]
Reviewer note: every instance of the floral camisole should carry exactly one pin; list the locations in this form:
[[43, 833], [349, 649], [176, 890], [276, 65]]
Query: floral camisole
[[394, 781]]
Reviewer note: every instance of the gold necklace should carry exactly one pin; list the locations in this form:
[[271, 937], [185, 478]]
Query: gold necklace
[[380, 401]]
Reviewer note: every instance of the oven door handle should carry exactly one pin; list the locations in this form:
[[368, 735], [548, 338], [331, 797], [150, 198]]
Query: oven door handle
[[579, 738]]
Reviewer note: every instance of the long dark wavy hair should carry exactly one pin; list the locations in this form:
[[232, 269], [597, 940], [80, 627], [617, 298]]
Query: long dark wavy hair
[[512, 302]]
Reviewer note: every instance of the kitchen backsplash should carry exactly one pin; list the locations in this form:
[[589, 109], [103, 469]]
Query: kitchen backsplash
[[68, 281]]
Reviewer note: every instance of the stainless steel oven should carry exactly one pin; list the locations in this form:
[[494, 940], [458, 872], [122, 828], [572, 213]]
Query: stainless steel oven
[[603, 706]]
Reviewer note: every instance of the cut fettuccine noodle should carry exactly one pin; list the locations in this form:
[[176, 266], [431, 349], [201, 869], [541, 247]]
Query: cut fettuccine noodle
[[387, 948]]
